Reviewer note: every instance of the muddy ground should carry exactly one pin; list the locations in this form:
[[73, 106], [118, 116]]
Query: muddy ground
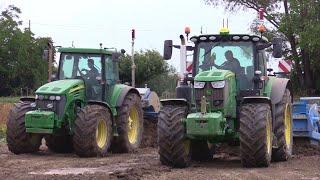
[[144, 164]]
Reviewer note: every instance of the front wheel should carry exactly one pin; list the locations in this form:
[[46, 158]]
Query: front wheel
[[18, 140], [93, 131], [283, 129], [255, 135], [129, 125], [174, 147]]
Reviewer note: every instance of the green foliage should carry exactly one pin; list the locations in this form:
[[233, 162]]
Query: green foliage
[[9, 99], [21, 64], [151, 69]]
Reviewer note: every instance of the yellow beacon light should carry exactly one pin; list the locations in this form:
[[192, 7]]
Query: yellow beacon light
[[225, 30]]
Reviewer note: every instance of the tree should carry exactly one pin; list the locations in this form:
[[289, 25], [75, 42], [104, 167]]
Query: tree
[[21, 64], [298, 22], [151, 69]]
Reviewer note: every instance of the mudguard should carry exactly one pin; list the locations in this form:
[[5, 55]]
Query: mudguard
[[124, 92], [256, 99], [165, 102], [279, 86], [31, 99]]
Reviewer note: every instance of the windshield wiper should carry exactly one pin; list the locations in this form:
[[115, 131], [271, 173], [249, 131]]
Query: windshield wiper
[[211, 49]]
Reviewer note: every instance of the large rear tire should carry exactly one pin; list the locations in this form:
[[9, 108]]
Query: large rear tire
[[59, 144], [255, 135], [202, 151], [174, 148], [283, 129], [129, 125], [18, 140], [93, 131]]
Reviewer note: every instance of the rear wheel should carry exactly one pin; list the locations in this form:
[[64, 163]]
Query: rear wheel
[[18, 140], [283, 129], [129, 125], [93, 131], [202, 151], [255, 135], [59, 144], [174, 147]]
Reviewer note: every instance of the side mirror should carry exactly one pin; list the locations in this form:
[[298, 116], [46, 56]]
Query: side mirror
[[277, 47], [167, 50]]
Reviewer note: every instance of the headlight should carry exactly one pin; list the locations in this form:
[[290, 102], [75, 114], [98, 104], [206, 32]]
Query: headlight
[[218, 84], [37, 97], [52, 98], [199, 85], [40, 97], [50, 106], [58, 98], [33, 105]]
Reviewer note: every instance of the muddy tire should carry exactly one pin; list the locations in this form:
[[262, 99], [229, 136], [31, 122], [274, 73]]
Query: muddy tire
[[201, 151], [255, 135], [174, 148], [283, 129], [129, 125], [93, 131], [18, 140], [59, 144]]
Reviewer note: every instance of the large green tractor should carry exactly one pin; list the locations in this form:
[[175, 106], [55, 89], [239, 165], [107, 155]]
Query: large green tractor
[[228, 98], [84, 110]]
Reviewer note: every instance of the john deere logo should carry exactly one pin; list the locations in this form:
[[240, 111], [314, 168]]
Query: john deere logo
[[209, 92]]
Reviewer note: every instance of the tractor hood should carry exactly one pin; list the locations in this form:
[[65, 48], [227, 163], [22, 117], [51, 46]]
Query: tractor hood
[[214, 75], [61, 87]]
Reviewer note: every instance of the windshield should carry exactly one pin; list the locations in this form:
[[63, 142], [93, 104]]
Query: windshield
[[234, 56], [87, 66]]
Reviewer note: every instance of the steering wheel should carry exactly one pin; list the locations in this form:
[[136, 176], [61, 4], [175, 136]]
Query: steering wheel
[[84, 73]]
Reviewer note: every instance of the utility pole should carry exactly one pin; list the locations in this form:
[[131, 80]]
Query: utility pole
[[30, 25], [133, 67], [50, 60]]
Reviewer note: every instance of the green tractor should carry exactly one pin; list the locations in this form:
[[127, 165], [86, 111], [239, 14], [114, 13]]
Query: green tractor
[[228, 98], [84, 110]]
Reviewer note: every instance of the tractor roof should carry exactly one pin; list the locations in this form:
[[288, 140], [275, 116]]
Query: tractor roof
[[85, 50], [229, 37]]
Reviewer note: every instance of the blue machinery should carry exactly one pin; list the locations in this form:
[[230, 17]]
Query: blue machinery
[[306, 119], [150, 103]]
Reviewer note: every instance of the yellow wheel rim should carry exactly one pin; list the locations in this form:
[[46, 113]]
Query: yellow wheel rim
[[101, 134], [186, 146], [133, 126], [268, 134], [287, 124]]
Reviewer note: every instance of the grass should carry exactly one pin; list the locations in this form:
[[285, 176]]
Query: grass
[[2, 134], [10, 99], [4, 111]]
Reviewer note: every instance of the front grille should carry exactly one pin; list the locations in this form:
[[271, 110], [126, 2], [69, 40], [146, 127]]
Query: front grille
[[215, 97], [58, 106]]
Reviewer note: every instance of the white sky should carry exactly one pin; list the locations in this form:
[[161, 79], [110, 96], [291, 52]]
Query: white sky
[[89, 23]]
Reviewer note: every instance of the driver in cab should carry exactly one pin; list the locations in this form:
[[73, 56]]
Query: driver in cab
[[92, 73], [231, 63]]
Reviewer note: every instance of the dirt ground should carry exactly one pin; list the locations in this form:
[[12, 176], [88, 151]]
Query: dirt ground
[[144, 164]]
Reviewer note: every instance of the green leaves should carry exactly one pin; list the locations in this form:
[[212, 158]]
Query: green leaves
[[21, 64], [151, 69]]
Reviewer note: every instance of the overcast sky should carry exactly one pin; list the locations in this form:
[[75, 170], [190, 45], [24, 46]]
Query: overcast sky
[[88, 23]]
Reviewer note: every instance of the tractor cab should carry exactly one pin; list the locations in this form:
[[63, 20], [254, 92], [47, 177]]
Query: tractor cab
[[96, 67], [244, 55]]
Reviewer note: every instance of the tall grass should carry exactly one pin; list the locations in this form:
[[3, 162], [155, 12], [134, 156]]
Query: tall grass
[[9, 99], [4, 111]]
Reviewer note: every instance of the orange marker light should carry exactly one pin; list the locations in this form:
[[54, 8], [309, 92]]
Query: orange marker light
[[261, 28]]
